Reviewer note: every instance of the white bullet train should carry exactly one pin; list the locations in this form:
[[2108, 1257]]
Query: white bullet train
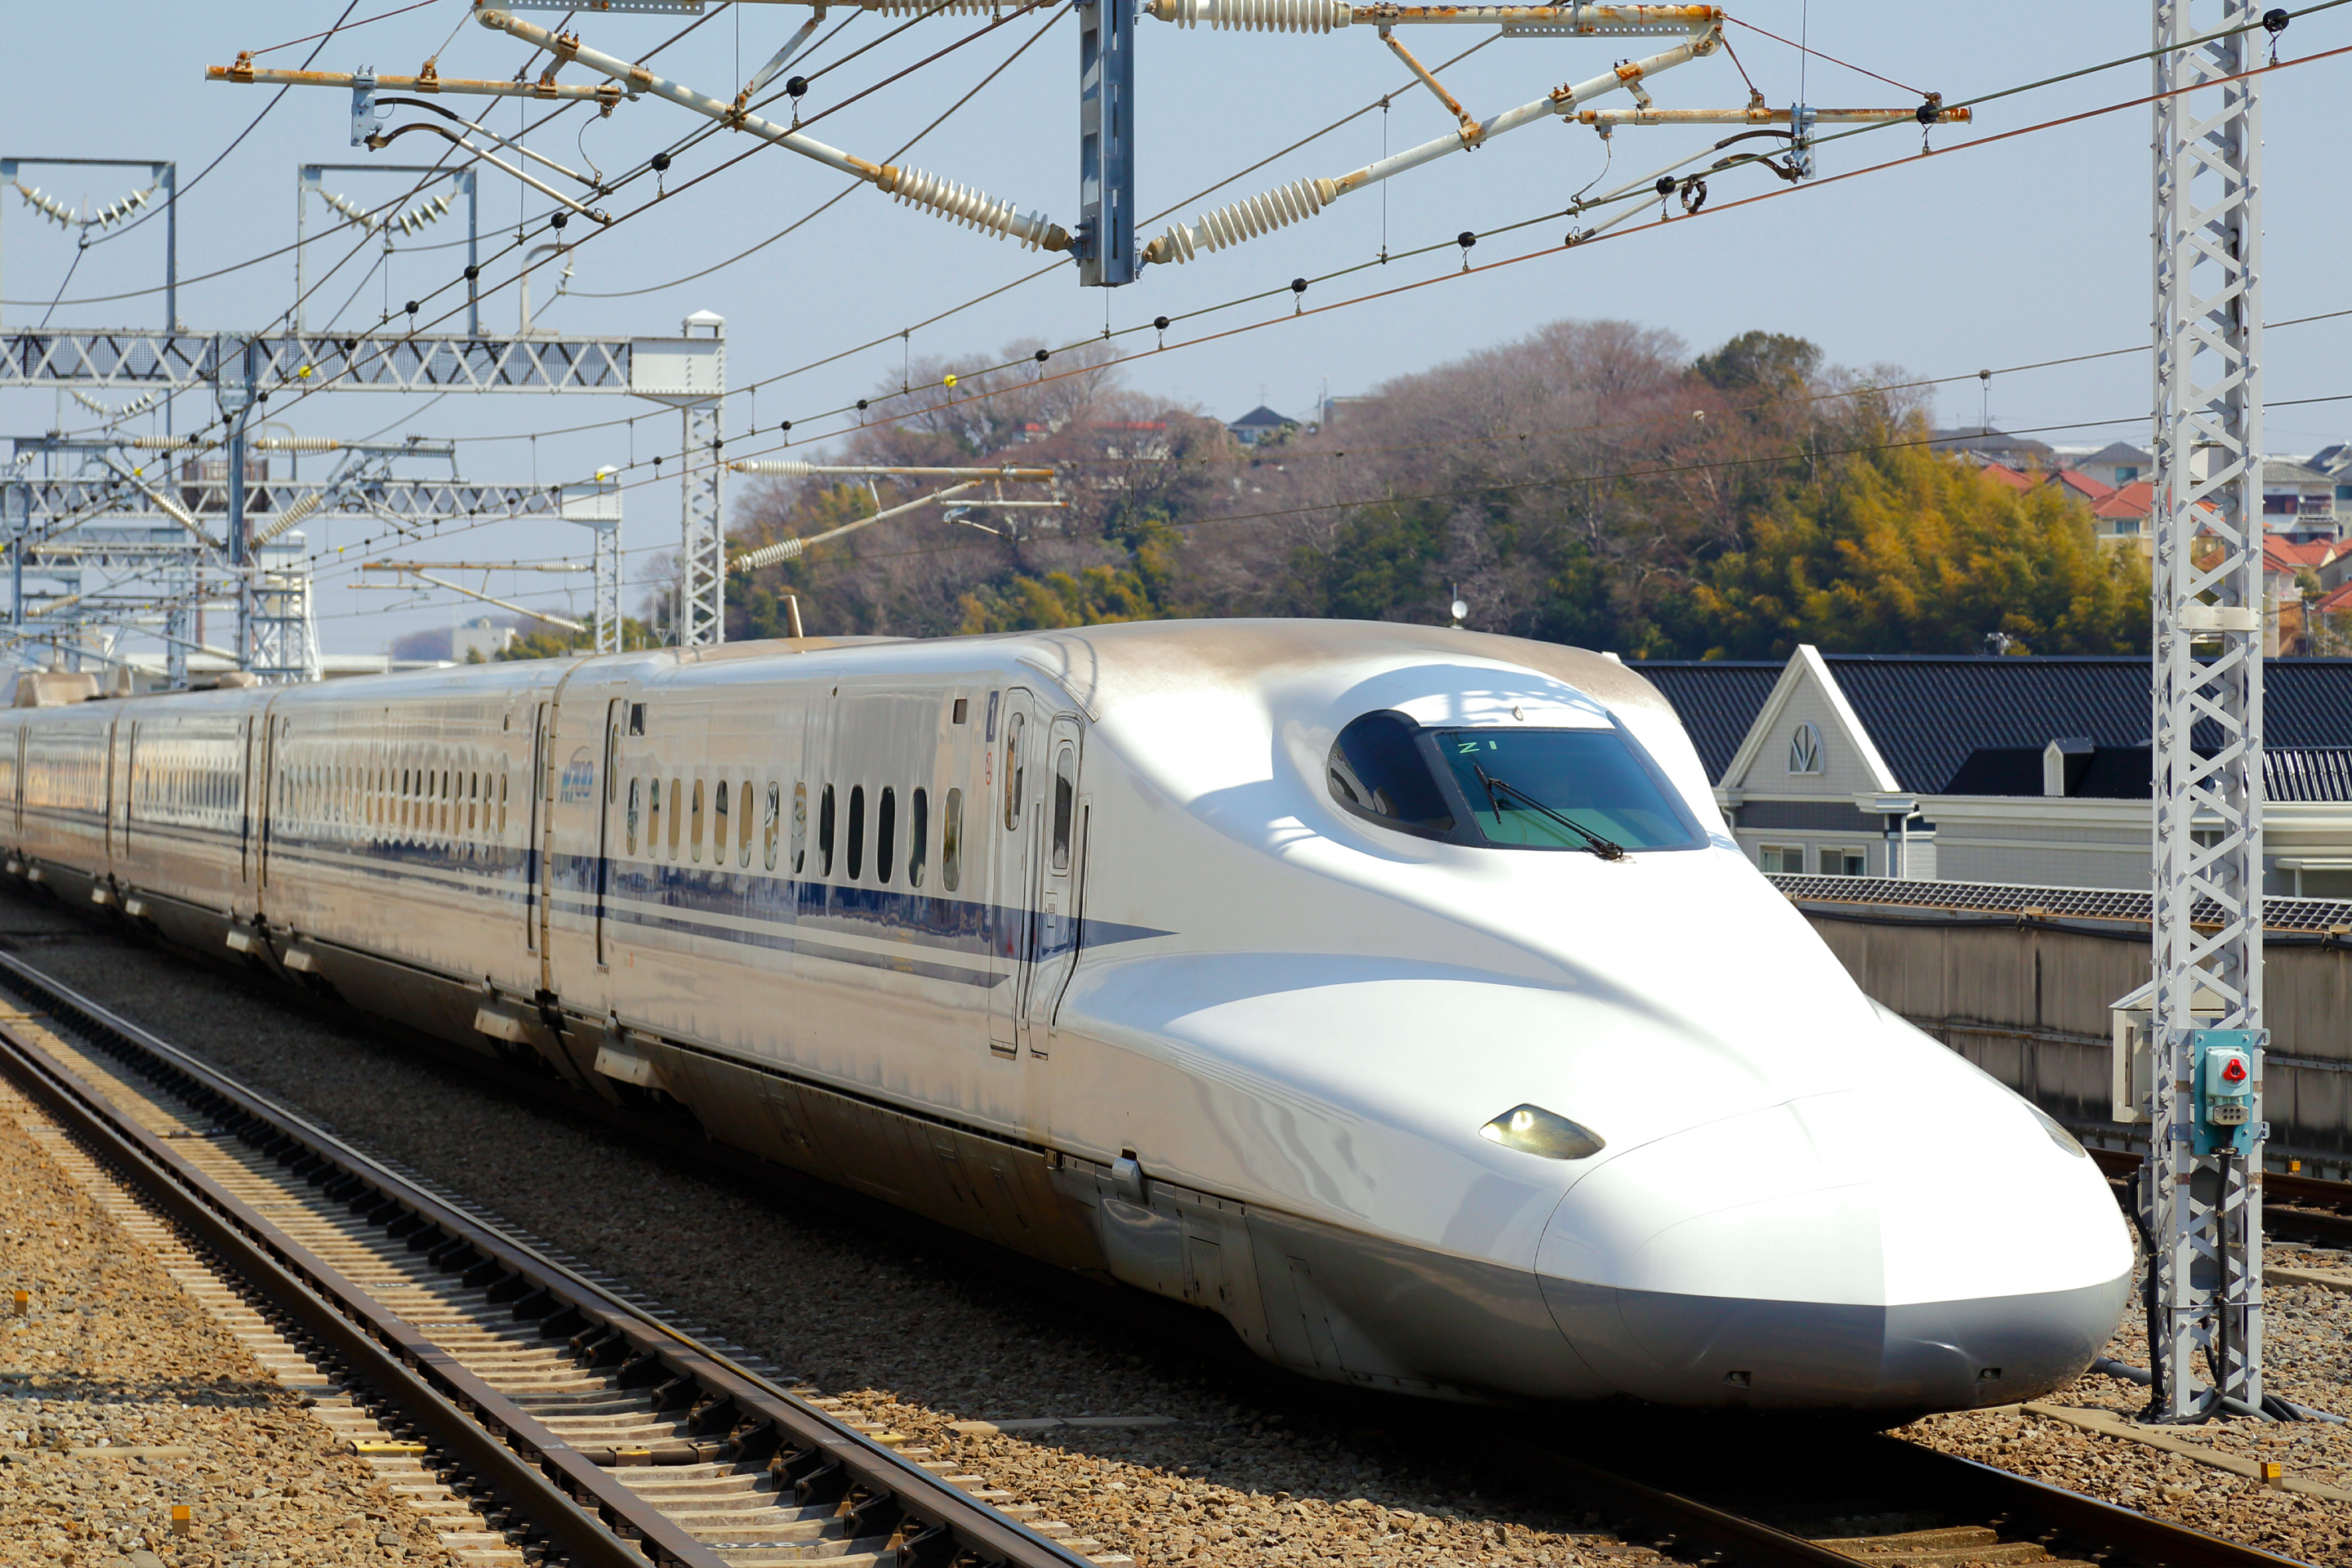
[[1394, 992]]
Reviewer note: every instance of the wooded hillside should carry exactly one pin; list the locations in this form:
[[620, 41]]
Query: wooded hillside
[[1592, 483]]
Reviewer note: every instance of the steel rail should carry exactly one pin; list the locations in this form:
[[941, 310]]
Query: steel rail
[[385, 1353], [940, 1522], [2293, 1205], [1833, 1472], [734, 1413]]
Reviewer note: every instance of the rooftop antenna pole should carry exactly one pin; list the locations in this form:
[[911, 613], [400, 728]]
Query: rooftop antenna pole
[[2200, 1188]]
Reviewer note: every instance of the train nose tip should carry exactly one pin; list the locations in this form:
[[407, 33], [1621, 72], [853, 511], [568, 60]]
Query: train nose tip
[[1688, 1350], [1767, 1260]]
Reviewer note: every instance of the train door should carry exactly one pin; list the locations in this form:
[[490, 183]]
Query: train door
[[543, 831], [615, 716], [245, 749], [1057, 851], [1011, 886]]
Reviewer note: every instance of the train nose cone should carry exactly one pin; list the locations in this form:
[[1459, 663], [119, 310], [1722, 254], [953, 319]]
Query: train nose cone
[[1838, 1252]]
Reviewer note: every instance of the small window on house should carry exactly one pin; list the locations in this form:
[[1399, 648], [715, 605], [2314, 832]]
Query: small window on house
[[632, 818], [768, 828], [676, 812], [856, 830], [885, 833], [1782, 859], [1838, 862], [824, 833], [1014, 727], [1066, 798], [951, 842], [694, 839], [919, 836], [1805, 749], [719, 826]]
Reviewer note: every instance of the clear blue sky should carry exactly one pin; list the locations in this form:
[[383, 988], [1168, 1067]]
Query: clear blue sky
[[2032, 249]]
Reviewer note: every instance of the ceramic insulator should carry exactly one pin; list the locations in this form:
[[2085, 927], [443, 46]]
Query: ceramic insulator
[[960, 204], [1257, 15], [1277, 208]]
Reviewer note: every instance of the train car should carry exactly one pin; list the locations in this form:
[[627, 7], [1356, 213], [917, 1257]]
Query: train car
[[1395, 992]]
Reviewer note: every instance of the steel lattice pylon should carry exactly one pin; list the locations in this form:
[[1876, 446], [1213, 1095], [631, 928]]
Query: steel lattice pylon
[[2203, 1211], [702, 471]]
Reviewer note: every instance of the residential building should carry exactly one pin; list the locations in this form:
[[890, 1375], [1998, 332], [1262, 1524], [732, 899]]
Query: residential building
[[1981, 769], [1260, 424], [2299, 501], [2116, 464]]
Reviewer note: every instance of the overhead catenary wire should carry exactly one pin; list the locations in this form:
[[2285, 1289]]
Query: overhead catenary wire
[[990, 294], [1977, 141]]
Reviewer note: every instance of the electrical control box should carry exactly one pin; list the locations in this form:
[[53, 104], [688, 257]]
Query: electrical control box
[[2227, 1062]]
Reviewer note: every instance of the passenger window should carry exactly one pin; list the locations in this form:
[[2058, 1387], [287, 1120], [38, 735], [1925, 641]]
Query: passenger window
[[473, 803], [677, 791], [856, 829], [825, 832], [1065, 797], [719, 826], [951, 843], [633, 817], [1014, 727], [885, 833], [694, 837], [743, 833], [653, 817], [502, 801], [918, 835], [800, 826], [768, 828]]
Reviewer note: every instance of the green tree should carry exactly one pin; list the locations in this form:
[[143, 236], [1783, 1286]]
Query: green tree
[[548, 641], [1898, 550]]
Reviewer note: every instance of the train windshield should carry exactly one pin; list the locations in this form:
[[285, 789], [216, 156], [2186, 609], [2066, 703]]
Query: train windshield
[[1596, 779]]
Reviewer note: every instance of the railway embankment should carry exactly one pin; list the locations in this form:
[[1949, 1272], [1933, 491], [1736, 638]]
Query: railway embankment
[[132, 1387], [1146, 1431]]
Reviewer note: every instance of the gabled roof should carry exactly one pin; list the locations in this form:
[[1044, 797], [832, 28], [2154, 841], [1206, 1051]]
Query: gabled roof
[[2082, 484], [1261, 418], [2290, 556], [2137, 499], [2287, 471], [1717, 699], [1984, 438], [2001, 473], [2117, 452], [2337, 602]]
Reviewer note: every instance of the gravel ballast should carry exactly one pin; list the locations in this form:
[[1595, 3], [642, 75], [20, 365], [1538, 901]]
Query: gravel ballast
[[1256, 1467], [121, 1397]]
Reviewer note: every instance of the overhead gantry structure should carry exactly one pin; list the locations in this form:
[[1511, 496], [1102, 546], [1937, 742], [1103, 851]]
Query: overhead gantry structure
[[1102, 241]]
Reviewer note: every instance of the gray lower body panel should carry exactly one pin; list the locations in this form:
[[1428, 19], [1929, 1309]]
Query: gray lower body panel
[[1794, 1355]]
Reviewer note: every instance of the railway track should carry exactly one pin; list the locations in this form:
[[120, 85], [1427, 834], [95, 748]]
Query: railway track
[[551, 1418], [2294, 1207]]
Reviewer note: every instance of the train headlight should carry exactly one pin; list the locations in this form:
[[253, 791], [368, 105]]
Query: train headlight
[[1532, 1130]]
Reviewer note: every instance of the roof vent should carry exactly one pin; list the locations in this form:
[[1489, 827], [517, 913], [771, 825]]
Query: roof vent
[[2064, 763]]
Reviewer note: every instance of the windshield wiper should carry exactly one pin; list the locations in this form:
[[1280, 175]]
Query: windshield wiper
[[1607, 848]]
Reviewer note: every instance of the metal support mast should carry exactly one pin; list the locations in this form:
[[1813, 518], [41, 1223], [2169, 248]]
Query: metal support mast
[[2202, 1186], [702, 473], [1105, 243]]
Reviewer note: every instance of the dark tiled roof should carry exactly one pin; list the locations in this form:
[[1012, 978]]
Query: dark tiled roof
[[1926, 712], [2318, 773], [1717, 699]]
